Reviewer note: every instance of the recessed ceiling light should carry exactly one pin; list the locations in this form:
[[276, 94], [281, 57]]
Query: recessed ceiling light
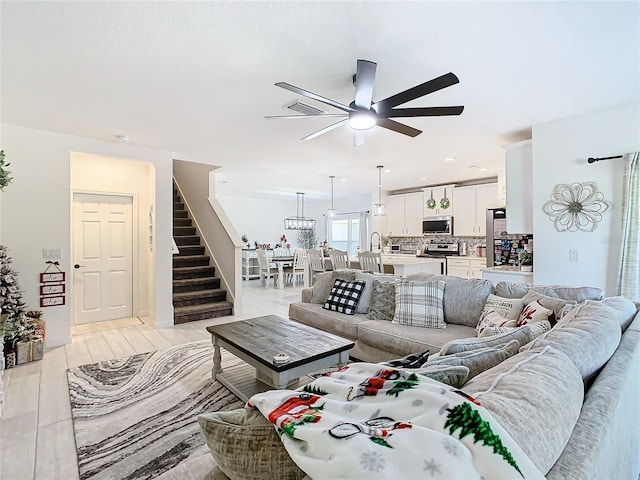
[[423, 178], [483, 169], [122, 138], [450, 159], [472, 166], [387, 171], [343, 179]]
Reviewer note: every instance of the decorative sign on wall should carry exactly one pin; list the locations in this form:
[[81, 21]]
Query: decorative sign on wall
[[52, 286], [574, 207]]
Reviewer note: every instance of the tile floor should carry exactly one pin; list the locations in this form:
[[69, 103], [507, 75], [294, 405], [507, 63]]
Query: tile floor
[[36, 433]]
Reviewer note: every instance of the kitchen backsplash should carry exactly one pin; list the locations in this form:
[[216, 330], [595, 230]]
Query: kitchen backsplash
[[472, 242]]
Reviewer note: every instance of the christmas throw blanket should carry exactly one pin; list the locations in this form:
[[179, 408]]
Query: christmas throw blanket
[[372, 421]]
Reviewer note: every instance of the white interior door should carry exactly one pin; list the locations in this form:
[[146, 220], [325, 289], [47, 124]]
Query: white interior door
[[102, 257]]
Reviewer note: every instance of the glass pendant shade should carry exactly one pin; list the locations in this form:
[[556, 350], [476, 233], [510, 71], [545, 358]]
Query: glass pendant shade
[[379, 209], [299, 222], [332, 212]]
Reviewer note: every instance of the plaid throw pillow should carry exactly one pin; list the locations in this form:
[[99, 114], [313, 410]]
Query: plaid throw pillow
[[344, 296], [419, 304]]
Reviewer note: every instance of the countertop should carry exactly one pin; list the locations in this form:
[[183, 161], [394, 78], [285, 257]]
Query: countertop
[[507, 270], [407, 259]]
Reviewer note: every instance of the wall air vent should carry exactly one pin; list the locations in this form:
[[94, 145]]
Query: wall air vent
[[304, 108]]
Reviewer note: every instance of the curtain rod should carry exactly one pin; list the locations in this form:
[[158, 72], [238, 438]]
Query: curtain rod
[[592, 160]]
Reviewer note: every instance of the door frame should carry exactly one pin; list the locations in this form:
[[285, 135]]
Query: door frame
[[135, 245]]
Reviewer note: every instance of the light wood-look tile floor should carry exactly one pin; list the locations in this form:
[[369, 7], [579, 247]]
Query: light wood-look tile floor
[[36, 433]]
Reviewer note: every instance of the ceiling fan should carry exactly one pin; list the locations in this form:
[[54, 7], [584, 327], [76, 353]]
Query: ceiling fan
[[363, 113]]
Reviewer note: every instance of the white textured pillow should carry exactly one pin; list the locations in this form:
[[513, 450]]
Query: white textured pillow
[[419, 304], [535, 312], [508, 308]]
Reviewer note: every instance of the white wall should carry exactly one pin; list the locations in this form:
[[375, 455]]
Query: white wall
[[36, 214], [109, 175], [560, 152], [263, 219]]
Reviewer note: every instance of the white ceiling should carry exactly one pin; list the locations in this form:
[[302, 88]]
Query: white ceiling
[[198, 78]]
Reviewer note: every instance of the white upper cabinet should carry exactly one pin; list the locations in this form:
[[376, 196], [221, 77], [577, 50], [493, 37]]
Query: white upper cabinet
[[404, 214], [518, 172], [440, 197], [470, 209]]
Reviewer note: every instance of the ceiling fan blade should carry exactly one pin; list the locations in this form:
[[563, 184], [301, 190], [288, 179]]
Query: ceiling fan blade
[[308, 94], [397, 127], [421, 112], [358, 138], [326, 129], [320, 115], [365, 78], [425, 88]]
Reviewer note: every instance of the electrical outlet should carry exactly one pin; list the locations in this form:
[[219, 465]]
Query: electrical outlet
[[574, 255]]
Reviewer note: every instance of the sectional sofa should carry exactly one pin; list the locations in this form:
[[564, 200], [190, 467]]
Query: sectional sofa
[[567, 396]]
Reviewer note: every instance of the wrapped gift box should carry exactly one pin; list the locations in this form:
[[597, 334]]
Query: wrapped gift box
[[30, 350]]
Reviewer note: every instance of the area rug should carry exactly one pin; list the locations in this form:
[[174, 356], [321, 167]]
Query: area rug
[[136, 417]]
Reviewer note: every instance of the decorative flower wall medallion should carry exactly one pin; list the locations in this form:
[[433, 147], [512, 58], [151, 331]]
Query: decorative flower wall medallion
[[574, 207]]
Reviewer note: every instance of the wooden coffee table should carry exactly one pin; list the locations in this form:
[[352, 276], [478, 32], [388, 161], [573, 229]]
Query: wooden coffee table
[[257, 340]]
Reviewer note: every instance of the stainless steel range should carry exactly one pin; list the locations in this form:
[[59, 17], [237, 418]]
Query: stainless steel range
[[442, 249]]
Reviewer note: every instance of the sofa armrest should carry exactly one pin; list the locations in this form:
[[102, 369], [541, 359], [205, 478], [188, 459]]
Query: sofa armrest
[[306, 294]]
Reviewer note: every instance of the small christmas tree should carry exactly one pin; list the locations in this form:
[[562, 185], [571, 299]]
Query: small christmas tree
[[16, 323]]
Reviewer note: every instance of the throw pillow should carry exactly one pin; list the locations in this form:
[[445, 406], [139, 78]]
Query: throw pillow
[[365, 299], [508, 308], [383, 301], [344, 296], [419, 304], [245, 445], [454, 375], [494, 319], [413, 360], [535, 312], [556, 304], [522, 334], [478, 361], [324, 282]]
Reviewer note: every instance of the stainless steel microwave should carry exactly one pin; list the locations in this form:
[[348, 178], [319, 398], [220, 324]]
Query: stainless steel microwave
[[437, 225]]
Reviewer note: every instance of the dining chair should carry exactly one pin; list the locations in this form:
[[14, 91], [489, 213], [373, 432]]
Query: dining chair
[[339, 259], [298, 270], [316, 263], [371, 261], [266, 270]]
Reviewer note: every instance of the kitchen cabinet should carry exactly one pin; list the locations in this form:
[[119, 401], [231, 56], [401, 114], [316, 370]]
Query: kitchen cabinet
[[438, 194], [519, 187], [404, 214], [466, 267], [470, 209]]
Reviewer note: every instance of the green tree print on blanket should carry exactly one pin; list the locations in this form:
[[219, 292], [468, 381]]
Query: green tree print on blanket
[[401, 385], [469, 421]]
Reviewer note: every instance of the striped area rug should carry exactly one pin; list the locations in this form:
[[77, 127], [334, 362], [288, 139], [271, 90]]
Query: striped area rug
[[136, 417]]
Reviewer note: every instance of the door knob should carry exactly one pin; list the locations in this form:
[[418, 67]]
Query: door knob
[[78, 265]]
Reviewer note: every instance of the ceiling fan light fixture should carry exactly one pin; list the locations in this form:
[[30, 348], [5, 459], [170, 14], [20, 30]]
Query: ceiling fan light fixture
[[362, 121]]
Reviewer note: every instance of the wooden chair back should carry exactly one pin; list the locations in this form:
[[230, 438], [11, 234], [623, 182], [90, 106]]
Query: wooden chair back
[[371, 261], [339, 259]]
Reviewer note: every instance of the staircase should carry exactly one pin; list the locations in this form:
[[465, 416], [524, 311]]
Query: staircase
[[196, 291]]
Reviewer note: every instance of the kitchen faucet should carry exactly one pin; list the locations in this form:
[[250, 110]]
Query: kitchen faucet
[[371, 240]]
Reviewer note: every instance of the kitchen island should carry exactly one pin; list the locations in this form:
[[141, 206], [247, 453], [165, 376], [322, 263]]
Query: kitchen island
[[405, 264], [506, 274]]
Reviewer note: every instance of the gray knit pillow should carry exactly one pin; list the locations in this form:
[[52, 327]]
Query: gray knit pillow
[[382, 305], [523, 335]]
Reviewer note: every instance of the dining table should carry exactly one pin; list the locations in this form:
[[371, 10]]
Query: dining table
[[281, 262]]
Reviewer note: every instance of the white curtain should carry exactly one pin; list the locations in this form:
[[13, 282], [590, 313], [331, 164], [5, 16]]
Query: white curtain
[[364, 231], [629, 279]]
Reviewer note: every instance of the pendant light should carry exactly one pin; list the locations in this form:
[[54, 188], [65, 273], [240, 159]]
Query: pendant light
[[331, 213], [299, 222], [379, 209]]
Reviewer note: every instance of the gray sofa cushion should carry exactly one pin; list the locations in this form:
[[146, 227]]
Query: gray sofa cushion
[[345, 326], [464, 299], [588, 335], [324, 281], [368, 278], [519, 290], [454, 375], [536, 396], [403, 340], [522, 334], [626, 310]]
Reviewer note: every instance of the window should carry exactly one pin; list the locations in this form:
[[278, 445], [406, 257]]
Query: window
[[345, 234]]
